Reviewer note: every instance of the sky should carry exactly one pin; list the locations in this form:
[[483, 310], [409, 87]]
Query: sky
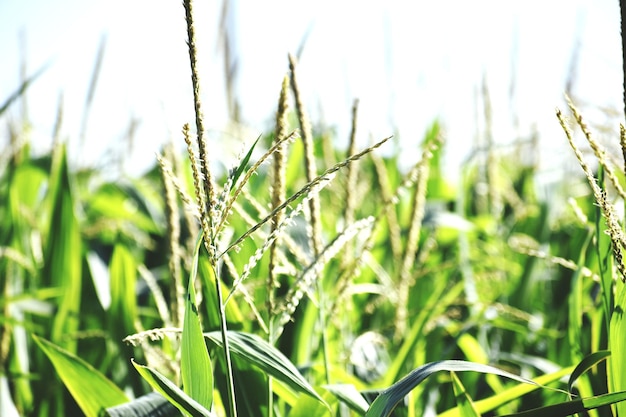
[[408, 63]]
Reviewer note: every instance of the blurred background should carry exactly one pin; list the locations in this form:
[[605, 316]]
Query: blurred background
[[118, 72]]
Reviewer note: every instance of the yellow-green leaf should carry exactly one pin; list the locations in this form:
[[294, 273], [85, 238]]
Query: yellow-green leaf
[[464, 403]]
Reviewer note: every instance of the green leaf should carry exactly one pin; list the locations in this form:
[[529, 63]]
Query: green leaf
[[234, 317], [242, 166], [260, 353], [286, 394], [604, 399], [440, 297], [617, 346], [572, 407], [464, 403], [474, 352], [123, 277], [587, 363], [504, 397], [576, 312], [63, 253], [309, 407], [250, 384], [92, 391], [348, 394], [196, 369], [152, 404], [384, 404], [605, 255], [122, 206], [169, 390]]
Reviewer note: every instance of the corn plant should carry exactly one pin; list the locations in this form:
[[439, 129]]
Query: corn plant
[[310, 280]]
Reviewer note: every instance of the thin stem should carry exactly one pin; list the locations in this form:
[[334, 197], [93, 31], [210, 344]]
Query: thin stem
[[206, 188], [622, 8], [229, 364]]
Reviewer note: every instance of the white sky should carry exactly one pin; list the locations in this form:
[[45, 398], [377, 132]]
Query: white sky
[[407, 62]]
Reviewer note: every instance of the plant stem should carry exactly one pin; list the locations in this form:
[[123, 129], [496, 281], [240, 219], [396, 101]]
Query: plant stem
[[622, 8], [322, 319], [224, 330], [208, 190]]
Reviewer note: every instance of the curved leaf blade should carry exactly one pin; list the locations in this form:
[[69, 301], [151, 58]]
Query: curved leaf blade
[[92, 391], [491, 403], [384, 404], [465, 405], [260, 353], [243, 165], [169, 390], [152, 404], [587, 363], [572, 407]]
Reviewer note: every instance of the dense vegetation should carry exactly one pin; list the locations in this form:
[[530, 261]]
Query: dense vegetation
[[308, 279]]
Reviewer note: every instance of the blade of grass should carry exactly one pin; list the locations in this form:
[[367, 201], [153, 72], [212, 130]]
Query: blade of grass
[[63, 258], [260, 353], [572, 407], [441, 297], [348, 394], [251, 395], [122, 312], [575, 330], [92, 391], [496, 401], [617, 345], [152, 404], [605, 258], [464, 403], [384, 404], [196, 369], [243, 165], [309, 407], [234, 316], [123, 277], [587, 363], [474, 352], [286, 394], [169, 390]]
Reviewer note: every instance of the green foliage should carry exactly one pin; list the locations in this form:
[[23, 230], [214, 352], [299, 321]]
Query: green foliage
[[422, 292], [389, 399], [196, 369], [253, 350], [91, 390], [169, 390], [464, 402], [474, 285]]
